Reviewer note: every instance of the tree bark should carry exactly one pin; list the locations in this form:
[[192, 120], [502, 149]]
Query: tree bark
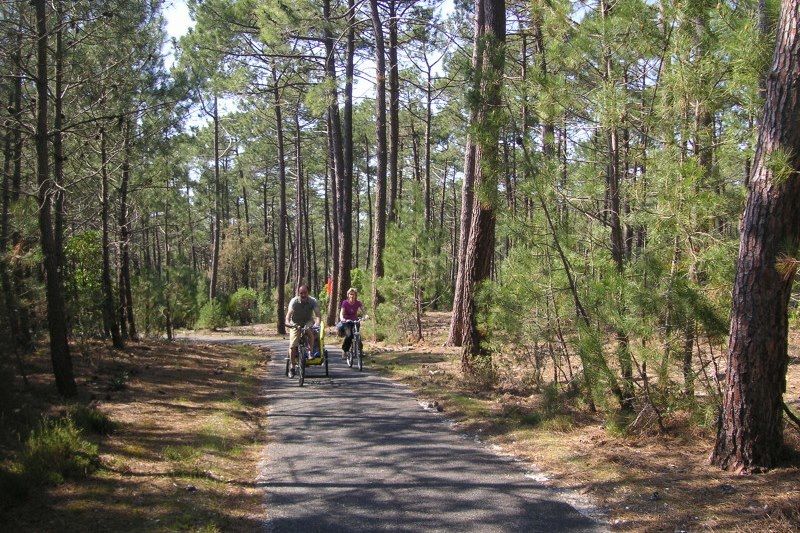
[[108, 292], [456, 336], [281, 257], [126, 294], [301, 274], [216, 237], [750, 433], [343, 177], [379, 237], [394, 113], [480, 246], [56, 316]]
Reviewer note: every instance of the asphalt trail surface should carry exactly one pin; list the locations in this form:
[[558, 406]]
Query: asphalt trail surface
[[357, 452]]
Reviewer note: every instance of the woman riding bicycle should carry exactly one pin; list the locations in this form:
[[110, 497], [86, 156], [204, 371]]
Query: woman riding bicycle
[[303, 310], [350, 309]]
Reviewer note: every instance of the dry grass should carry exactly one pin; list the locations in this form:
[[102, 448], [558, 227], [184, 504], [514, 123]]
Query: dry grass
[[185, 450], [651, 481]]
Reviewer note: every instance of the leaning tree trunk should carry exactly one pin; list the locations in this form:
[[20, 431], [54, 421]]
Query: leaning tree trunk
[[56, 314], [750, 433], [480, 246], [379, 237]]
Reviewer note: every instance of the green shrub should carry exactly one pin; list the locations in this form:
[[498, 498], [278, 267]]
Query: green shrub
[[92, 420], [266, 308], [243, 306], [57, 451], [550, 399], [212, 316]]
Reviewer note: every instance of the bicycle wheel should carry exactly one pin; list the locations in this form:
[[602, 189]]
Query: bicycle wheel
[[288, 365], [302, 367], [325, 360], [359, 355]]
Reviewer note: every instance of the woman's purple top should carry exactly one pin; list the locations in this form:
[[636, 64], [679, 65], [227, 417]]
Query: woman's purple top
[[351, 309]]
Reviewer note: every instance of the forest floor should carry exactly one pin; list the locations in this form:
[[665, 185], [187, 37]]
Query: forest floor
[[643, 479], [188, 436]]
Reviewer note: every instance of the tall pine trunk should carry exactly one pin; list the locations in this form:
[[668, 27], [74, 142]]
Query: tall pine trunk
[[480, 246], [379, 237], [56, 314], [456, 335], [109, 317], [217, 226], [750, 433], [280, 259], [126, 294], [394, 114]]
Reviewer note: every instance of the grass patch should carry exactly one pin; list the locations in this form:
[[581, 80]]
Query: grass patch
[[617, 423], [91, 420], [558, 424], [180, 454], [57, 450], [468, 406]]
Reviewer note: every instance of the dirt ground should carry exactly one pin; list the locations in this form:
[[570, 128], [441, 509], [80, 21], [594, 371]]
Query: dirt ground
[[188, 438]]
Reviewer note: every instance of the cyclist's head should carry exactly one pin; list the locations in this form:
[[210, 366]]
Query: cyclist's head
[[352, 292], [302, 291]]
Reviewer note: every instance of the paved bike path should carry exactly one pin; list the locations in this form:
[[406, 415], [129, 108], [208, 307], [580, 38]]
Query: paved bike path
[[356, 452]]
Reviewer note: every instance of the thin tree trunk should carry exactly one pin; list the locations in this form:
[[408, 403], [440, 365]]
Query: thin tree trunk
[[281, 257], [126, 294], [368, 258], [334, 229], [300, 259], [394, 112], [216, 237], [108, 301]]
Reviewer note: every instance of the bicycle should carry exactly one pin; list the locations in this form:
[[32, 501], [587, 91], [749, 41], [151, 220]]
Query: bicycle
[[355, 355], [306, 352]]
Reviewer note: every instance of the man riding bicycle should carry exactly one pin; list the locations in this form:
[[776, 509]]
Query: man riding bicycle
[[303, 310]]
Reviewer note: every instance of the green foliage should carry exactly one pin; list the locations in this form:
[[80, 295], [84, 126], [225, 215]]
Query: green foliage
[[84, 261], [56, 451], [243, 306], [175, 291], [415, 272], [212, 315]]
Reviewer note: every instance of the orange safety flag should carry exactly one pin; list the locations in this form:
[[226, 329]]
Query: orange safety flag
[[329, 286]]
